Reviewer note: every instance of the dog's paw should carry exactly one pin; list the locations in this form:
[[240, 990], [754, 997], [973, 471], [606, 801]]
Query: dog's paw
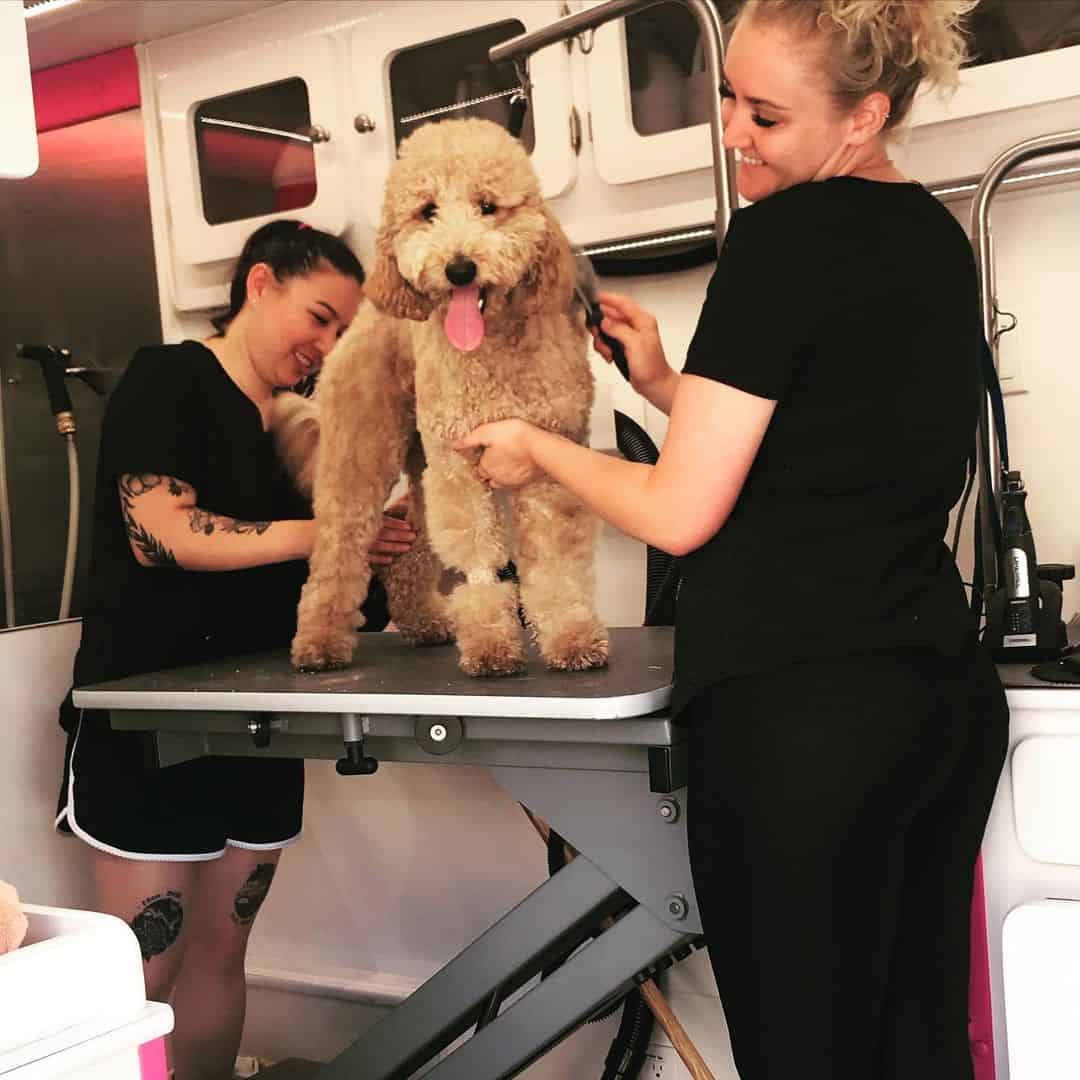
[[577, 651], [493, 658], [321, 652]]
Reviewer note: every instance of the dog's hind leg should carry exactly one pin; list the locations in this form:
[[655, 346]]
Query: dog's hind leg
[[555, 540], [417, 608], [365, 420], [468, 536]]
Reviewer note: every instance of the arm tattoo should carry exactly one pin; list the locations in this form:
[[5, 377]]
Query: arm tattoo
[[132, 485], [202, 521]]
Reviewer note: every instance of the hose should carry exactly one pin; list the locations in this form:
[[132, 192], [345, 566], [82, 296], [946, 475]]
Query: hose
[[631, 1042], [73, 527]]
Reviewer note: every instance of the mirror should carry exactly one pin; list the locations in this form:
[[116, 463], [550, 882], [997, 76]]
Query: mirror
[[256, 152], [1004, 29], [452, 78]]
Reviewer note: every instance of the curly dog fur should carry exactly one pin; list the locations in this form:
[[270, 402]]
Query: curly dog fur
[[461, 202]]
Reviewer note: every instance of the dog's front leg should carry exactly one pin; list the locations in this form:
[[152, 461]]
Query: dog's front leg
[[467, 535], [555, 541], [412, 580], [366, 420]]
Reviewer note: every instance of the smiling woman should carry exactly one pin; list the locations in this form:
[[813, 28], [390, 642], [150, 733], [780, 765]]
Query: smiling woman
[[188, 482], [842, 762], [847, 80]]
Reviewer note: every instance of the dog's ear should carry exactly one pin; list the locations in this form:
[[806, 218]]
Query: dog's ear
[[549, 283], [388, 290]]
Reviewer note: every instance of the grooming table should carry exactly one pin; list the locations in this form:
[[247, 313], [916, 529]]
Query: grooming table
[[592, 753]]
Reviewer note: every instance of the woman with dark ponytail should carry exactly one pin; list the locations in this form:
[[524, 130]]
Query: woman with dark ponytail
[[200, 548]]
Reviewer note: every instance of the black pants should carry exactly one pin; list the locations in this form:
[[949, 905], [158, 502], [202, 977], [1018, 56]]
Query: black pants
[[836, 809]]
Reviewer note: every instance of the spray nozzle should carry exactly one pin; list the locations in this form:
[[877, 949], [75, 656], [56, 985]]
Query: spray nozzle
[[53, 361]]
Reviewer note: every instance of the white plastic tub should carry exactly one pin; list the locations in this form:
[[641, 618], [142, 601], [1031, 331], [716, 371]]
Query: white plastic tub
[[73, 1002]]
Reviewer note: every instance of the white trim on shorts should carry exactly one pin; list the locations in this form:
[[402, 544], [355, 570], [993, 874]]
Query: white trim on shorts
[[82, 834], [277, 845]]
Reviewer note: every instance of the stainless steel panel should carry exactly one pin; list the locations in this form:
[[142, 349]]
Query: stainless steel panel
[[76, 270]]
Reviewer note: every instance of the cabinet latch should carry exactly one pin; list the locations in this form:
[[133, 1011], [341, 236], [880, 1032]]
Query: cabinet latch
[[575, 130]]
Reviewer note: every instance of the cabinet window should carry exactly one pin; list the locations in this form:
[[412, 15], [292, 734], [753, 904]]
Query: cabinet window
[[452, 77], [1004, 29], [669, 88], [255, 152]]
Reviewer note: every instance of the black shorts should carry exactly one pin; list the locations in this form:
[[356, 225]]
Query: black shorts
[[115, 798]]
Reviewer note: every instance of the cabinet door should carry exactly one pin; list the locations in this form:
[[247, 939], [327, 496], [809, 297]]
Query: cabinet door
[[248, 139], [408, 71], [649, 94], [1023, 53]]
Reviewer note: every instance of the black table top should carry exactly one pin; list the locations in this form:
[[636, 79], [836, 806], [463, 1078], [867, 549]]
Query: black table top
[[390, 677]]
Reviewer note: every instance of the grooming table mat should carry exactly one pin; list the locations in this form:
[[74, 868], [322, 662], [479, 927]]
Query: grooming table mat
[[390, 677]]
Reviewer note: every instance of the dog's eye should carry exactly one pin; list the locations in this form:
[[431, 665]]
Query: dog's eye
[[429, 211], [487, 207]]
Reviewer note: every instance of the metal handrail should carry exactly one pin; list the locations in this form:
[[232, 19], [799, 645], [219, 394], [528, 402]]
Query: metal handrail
[[981, 239], [522, 46]]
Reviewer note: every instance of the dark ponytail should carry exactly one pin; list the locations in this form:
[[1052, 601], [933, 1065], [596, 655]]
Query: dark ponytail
[[291, 249]]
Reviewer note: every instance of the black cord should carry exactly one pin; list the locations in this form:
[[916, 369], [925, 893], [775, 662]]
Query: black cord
[[962, 509]]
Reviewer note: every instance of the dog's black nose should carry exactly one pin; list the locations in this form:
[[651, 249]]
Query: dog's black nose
[[460, 271]]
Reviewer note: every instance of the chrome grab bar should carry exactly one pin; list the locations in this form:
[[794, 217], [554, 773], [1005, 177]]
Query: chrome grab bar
[[569, 26], [981, 240]]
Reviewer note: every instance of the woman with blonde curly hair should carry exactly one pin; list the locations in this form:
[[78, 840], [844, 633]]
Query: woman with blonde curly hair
[[847, 730]]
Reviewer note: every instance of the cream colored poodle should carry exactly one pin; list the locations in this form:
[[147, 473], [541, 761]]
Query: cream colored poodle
[[471, 318]]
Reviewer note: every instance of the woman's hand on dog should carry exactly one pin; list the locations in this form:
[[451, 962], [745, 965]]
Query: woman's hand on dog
[[396, 535], [507, 460]]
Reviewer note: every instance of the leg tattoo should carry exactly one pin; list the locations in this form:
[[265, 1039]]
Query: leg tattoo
[[250, 897], [157, 925]]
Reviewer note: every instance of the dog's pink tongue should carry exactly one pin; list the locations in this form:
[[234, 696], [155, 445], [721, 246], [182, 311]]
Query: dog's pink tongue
[[464, 323]]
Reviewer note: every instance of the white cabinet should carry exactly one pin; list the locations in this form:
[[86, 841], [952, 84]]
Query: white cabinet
[[649, 95], [247, 137], [1023, 54], [1042, 988], [410, 67]]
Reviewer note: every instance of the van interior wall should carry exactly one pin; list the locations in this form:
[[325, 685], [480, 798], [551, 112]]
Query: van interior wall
[[76, 271]]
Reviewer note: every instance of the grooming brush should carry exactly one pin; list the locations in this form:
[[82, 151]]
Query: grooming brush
[[586, 290]]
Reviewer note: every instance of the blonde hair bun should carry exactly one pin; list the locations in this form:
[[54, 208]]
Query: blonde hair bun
[[889, 46], [925, 35]]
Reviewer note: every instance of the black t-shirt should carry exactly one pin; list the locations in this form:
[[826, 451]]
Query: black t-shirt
[[853, 305], [177, 413]]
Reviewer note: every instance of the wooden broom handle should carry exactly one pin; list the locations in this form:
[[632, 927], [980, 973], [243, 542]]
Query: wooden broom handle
[[684, 1047]]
